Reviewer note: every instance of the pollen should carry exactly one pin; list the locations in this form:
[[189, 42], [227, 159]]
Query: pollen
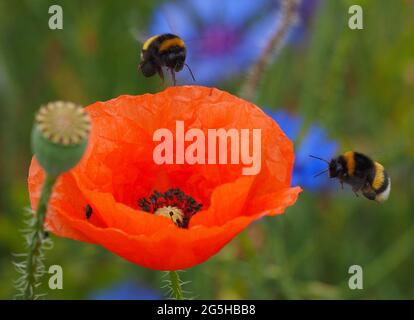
[[63, 123], [173, 204], [176, 215]]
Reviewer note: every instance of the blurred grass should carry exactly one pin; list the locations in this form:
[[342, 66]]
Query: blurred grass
[[358, 84]]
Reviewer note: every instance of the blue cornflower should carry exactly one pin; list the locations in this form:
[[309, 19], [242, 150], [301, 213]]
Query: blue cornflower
[[126, 290], [315, 142], [223, 38]]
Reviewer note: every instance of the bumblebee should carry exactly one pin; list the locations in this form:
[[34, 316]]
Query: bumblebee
[[361, 173], [165, 50]]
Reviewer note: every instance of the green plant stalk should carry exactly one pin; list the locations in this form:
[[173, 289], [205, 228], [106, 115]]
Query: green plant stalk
[[175, 285], [250, 86], [36, 238]]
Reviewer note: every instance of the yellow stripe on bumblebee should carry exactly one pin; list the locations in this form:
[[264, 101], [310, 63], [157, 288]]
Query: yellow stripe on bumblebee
[[148, 42], [379, 176], [169, 43], [350, 161]]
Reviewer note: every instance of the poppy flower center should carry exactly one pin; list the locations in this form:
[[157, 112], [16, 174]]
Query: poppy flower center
[[173, 204]]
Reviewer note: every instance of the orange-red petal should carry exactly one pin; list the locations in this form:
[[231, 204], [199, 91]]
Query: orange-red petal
[[118, 168]]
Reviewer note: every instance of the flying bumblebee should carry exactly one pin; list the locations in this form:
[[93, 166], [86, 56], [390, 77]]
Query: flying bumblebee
[[361, 173], [165, 50]]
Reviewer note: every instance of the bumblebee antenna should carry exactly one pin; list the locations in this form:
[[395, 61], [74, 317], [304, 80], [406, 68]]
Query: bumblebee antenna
[[322, 172], [319, 158], [192, 75]]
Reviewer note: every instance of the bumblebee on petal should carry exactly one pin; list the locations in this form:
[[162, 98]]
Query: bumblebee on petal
[[165, 50]]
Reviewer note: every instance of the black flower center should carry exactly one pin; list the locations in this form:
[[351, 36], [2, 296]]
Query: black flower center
[[173, 204]]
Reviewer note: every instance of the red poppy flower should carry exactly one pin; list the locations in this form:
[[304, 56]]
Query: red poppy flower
[[117, 195]]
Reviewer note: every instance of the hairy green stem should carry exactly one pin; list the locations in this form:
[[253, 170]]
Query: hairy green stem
[[288, 16], [36, 239], [175, 284]]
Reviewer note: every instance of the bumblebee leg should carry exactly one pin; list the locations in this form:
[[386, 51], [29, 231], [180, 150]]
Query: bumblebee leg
[[371, 195], [356, 189], [173, 76], [342, 185], [161, 74], [369, 192]]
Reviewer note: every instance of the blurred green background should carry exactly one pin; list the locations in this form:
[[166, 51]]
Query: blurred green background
[[358, 84]]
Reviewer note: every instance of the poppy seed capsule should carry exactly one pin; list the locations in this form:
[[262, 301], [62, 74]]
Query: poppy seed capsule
[[60, 136]]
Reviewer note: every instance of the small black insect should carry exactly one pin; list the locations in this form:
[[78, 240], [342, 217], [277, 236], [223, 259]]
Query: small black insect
[[88, 211]]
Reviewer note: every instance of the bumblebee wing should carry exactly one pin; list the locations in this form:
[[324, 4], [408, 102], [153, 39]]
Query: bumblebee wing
[[363, 165], [139, 35], [358, 182]]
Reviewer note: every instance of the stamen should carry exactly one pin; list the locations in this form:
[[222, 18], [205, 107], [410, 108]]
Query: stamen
[[176, 215], [173, 204]]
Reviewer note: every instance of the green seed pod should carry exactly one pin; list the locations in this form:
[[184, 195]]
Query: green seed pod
[[60, 136]]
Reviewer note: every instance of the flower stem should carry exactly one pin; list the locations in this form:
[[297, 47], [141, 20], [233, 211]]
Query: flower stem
[[175, 284], [35, 240], [288, 15]]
